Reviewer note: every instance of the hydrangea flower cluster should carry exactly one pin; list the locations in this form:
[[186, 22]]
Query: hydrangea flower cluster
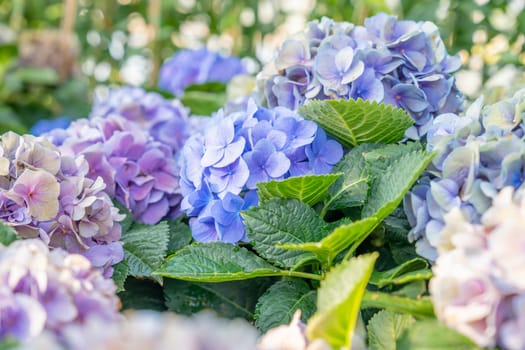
[[221, 167], [190, 67], [139, 172], [154, 330], [49, 195], [166, 120], [403, 63], [479, 277], [50, 291], [477, 155]]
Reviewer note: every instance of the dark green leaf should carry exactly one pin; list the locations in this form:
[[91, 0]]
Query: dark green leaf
[[180, 236], [277, 306], [431, 335], [145, 247], [215, 262], [385, 328], [203, 103], [309, 189], [228, 299], [142, 295], [353, 122], [120, 274], [283, 221]]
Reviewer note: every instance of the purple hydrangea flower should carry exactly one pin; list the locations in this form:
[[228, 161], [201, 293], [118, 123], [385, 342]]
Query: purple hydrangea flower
[[139, 172], [221, 166], [478, 286], [403, 63], [47, 194], [477, 155], [51, 291], [189, 67]]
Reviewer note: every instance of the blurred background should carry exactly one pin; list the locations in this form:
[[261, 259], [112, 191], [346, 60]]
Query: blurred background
[[55, 53]]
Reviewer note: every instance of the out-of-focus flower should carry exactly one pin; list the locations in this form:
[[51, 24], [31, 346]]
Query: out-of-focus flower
[[478, 286], [45, 125], [221, 167], [138, 171], [154, 330], [477, 155], [47, 194], [190, 67], [51, 291], [403, 63]]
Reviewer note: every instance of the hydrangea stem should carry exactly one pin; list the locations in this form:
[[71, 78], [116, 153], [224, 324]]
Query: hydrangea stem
[[300, 274]]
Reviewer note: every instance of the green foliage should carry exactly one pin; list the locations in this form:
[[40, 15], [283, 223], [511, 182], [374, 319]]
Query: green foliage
[[385, 327], [431, 335], [309, 189], [277, 306], [7, 234], [180, 236], [421, 307], [145, 247], [120, 275], [215, 262], [409, 271], [338, 302], [227, 299], [353, 122], [283, 221], [141, 294]]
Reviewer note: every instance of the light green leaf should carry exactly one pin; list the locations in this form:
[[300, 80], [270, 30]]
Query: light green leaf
[[421, 307], [35, 75], [202, 102], [338, 240], [283, 221], [215, 262], [351, 189], [353, 122], [120, 274], [277, 306], [390, 186], [431, 335], [7, 234], [385, 327], [412, 270], [379, 159], [309, 189], [339, 300], [145, 247]]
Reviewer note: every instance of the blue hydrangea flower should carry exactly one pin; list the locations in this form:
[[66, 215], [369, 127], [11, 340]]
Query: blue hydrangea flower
[[221, 166], [403, 63], [189, 67], [45, 125], [477, 155]]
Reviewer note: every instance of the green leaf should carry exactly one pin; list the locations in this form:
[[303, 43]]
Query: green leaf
[[9, 344], [141, 294], [33, 75], [180, 236], [7, 234], [385, 327], [228, 299], [309, 189], [379, 159], [277, 306], [9, 121], [145, 247], [390, 186], [409, 271], [202, 102], [351, 189], [431, 335], [283, 221], [212, 86], [353, 122], [215, 262], [421, 307], [338, 301], [120, 274], [337, 241]]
